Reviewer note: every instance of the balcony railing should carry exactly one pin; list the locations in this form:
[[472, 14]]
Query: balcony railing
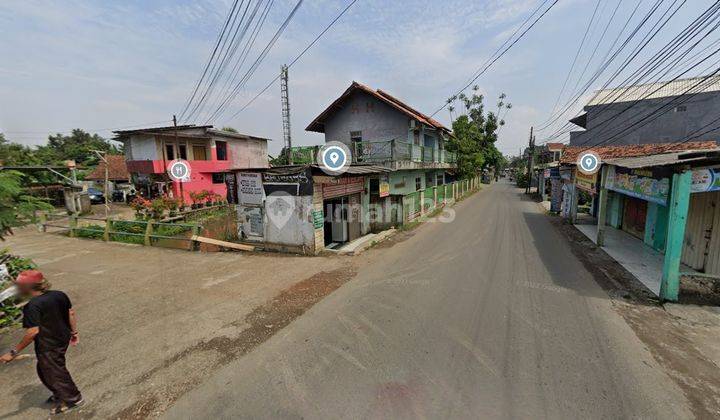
[[395, 150], [381, 151]]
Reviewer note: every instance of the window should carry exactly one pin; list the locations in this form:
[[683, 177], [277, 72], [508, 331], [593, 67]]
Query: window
[[418, 183], [183, 151], [429, 180], [218, 178], [199, 152], [221, 148], [356, 136], [440, 179], [170, 152]]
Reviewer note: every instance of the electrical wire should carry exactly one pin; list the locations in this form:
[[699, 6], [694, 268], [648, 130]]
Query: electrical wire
[[295, 60], [489, 64]]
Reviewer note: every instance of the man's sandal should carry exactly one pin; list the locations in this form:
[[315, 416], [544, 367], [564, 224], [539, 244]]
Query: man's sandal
[[64, 408]]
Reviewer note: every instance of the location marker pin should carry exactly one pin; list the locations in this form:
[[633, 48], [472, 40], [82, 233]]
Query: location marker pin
[[334, 157]]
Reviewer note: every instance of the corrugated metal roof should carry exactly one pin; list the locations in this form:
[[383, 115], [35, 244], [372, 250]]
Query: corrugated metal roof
[[656, 90], [665, 159]]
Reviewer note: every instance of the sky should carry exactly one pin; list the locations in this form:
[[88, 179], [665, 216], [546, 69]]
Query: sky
[[100, 65]]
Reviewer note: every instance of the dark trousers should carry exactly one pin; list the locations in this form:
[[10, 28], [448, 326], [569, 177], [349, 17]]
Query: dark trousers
[[54, 375]]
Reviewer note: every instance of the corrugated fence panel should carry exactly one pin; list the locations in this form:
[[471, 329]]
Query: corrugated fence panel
[[702, 216], [712, 265]]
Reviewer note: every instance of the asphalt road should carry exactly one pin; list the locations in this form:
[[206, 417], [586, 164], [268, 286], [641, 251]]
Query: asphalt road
[[489, 316]]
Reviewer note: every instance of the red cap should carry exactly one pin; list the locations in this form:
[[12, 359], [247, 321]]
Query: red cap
[[30, 277]]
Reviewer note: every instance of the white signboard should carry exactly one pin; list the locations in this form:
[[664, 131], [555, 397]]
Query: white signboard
[[250, 188]]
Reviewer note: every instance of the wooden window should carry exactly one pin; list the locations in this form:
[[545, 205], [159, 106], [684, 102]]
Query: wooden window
[[182, 151], [418, 183], [199, 152], [170, 152], [221, 149]]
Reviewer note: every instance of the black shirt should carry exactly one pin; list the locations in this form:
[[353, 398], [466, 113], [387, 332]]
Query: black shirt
[[50, 312]]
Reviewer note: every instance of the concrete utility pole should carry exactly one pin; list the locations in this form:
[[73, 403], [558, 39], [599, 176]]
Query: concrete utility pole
[[531, 150], [285, 96]]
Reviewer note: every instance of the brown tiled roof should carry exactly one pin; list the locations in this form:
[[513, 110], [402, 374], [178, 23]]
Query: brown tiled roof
[[571, 153], [555, 146], [318, 124], [117, 170]]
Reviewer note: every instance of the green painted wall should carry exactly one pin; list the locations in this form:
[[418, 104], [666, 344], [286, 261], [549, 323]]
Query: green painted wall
[[396, 177], [614, 213]]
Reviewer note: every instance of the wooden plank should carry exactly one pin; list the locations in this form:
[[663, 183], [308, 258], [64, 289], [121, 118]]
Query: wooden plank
[[224, 244]]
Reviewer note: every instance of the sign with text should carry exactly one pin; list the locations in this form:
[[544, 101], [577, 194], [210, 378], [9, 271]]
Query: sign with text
[[250, 188], [384, 189], [705, 180], [586, 182], [638, 185]]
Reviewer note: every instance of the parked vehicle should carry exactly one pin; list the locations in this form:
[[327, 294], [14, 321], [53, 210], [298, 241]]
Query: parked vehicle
[[96, 196]]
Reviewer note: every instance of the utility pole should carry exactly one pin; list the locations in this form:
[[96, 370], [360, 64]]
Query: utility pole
[[531, 150], [177, 156], [285, 96], [103, 157]]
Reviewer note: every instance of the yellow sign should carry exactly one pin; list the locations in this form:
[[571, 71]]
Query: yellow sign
[[586, 182], [384, 189]]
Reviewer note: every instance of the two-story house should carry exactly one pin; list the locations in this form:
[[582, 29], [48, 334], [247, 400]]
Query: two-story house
[[651, 113], [382, 130], [210, 153]]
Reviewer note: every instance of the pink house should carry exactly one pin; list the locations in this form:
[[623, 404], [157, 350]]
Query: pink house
[[210, 153]]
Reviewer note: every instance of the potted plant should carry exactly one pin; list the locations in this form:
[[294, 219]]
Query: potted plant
[[141, 207], [157, 208], [172, 205], [196, 199]]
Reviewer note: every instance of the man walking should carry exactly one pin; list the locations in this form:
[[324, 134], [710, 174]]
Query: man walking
[[49, 321]]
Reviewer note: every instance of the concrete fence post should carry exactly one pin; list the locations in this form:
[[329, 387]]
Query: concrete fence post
[[108, 228], [73, 225], [148, 233], [42, 221]]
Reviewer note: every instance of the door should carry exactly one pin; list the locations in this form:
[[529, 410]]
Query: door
[[702, 213], [634, 216], [338, 221]]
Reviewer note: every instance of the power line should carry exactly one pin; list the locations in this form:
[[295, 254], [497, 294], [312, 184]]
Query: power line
[[251, 70], [577, 54], [295, 60], [210, 60], [485, 68], [691, 31]]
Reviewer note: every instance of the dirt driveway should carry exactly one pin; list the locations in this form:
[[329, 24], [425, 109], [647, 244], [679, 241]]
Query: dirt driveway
[[154, 322]]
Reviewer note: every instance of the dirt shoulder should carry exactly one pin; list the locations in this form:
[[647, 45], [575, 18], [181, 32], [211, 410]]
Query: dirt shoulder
[[155, 322], [683, 338]]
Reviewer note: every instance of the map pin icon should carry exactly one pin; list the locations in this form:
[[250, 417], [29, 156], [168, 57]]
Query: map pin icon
[[334, 157]]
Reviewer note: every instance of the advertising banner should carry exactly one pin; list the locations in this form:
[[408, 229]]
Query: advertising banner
[[638, 185], [705, 180]]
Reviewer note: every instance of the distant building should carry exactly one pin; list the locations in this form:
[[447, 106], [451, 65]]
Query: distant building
[[118, 174], [651, 113], [211, 154]]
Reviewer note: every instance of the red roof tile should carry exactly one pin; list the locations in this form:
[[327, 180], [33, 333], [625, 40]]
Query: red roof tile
[[571, 153], [117, 170], [555, 147], [318, 123]]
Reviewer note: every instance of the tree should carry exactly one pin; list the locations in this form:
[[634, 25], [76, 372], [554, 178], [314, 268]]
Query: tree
[[15, 205], [475, 134], [229, 129], [78, 146]]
